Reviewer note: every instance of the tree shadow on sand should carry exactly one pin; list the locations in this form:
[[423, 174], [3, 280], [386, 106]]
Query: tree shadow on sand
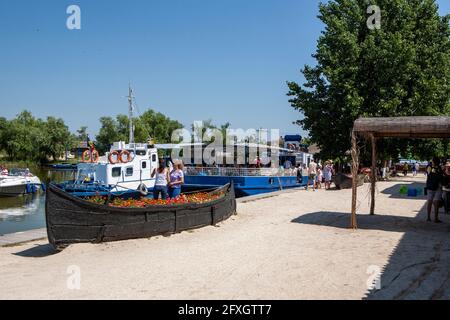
[[418, 267]]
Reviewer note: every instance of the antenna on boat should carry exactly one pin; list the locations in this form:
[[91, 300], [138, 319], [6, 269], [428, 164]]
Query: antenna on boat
[[130, 113]]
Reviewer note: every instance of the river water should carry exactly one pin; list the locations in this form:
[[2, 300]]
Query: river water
[[28, 212]]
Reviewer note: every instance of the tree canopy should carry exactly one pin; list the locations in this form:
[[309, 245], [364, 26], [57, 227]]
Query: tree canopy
[[28, 138], [400, 69], [150, 124]]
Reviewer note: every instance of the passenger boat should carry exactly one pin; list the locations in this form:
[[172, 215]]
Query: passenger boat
[[19, 182], [73, 219], [247, 181]]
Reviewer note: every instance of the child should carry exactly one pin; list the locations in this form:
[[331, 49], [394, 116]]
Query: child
[[319, 177]]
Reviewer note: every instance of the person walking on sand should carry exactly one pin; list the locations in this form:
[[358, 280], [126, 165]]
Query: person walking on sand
[[435, 177], [415, 169], [328, 174], [319, 177], [305, 175], [405, 169], [312, 173]]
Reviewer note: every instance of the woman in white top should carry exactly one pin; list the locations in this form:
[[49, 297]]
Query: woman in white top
[[162, 180]]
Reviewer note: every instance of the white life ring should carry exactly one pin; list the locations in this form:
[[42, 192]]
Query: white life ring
[[142, 189]]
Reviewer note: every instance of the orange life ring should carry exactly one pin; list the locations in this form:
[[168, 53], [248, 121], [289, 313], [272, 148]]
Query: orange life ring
[[127, 153], [90, 156], [95, 156], [111, 159], [86, 156]]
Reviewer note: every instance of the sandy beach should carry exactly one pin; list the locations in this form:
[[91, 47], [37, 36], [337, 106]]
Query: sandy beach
[[295, 245]]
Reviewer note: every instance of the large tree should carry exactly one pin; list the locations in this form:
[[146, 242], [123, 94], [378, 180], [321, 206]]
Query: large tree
[[150, 124], [28, 138], [400, 69]]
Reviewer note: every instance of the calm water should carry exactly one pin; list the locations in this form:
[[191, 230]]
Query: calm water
[[28, 212]]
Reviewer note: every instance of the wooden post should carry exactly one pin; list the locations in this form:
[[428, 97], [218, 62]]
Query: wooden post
[[355, 164], [373, 173]]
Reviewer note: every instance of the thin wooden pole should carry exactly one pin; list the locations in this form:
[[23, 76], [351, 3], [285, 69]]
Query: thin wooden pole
[[373, 173], [355, 164]]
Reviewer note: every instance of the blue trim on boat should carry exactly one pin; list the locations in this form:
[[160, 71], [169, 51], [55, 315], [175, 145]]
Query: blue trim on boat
[[246, 185]]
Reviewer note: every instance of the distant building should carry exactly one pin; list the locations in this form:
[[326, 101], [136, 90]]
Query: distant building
[[78, 151]]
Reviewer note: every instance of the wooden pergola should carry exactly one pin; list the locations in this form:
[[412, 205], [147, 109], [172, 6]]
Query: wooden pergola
[[395, 127]]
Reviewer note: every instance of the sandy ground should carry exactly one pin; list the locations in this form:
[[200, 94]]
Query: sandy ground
[[291, 246]]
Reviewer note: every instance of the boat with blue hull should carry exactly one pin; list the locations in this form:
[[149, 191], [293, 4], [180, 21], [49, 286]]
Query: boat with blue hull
[[247, 181]]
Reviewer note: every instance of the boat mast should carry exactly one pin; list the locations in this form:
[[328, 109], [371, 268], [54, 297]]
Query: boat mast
[[130, 113]]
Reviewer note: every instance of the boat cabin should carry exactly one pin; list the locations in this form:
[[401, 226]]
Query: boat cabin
[[125, 167]]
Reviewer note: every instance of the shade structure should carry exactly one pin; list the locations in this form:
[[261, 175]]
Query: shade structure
[[406, 127], [391, 127]]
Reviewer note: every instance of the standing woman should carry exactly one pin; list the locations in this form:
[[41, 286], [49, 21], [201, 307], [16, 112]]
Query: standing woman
[[162, 181], [327, 173], [176, 179]]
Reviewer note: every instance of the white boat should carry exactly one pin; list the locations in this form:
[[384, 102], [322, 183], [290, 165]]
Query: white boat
[[18, 182], [126, 168]]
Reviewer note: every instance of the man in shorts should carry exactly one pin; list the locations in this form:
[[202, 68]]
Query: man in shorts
[[435, 177]]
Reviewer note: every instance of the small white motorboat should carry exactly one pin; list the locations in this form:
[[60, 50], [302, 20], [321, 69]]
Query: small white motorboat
[[19, 182]]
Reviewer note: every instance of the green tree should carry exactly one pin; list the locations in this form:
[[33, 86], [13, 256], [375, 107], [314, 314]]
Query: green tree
[[109, 132], [401, 69], [57, 139], [158, 126], [82, 134], [150, 124]]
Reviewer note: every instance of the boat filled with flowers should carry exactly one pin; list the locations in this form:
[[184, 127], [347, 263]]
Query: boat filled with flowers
[[143, 202], [71, 219]]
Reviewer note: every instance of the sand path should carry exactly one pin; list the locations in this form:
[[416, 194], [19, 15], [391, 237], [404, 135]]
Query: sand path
[[291, 246]]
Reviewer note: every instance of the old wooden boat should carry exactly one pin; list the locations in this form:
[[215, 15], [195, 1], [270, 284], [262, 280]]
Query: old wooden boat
[[344, 181], [71, 219]]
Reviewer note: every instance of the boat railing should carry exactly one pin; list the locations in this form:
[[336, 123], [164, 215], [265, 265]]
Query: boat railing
[[137, 145], [230, 171]]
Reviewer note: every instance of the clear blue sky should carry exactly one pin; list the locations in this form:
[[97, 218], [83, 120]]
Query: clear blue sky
[[228, 60]]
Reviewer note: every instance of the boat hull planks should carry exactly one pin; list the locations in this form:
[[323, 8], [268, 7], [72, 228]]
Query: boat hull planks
[[73, 220]]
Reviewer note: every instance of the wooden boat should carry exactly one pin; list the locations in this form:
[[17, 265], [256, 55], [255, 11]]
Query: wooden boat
[[71, 219], [344, 181]]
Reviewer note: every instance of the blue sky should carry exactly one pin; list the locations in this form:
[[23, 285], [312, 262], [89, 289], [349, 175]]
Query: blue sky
[[227, 60]]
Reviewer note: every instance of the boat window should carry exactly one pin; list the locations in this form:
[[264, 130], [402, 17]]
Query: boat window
[[153, 157], [144, 164], [140, 152], [129, 171], [116, 171]]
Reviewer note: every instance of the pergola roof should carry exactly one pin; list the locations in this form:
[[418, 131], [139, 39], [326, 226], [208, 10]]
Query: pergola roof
[[406, 127]]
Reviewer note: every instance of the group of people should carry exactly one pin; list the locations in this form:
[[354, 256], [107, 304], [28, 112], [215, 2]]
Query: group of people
[[415, 168], [316, 174], [438, 177], [169, 179]]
